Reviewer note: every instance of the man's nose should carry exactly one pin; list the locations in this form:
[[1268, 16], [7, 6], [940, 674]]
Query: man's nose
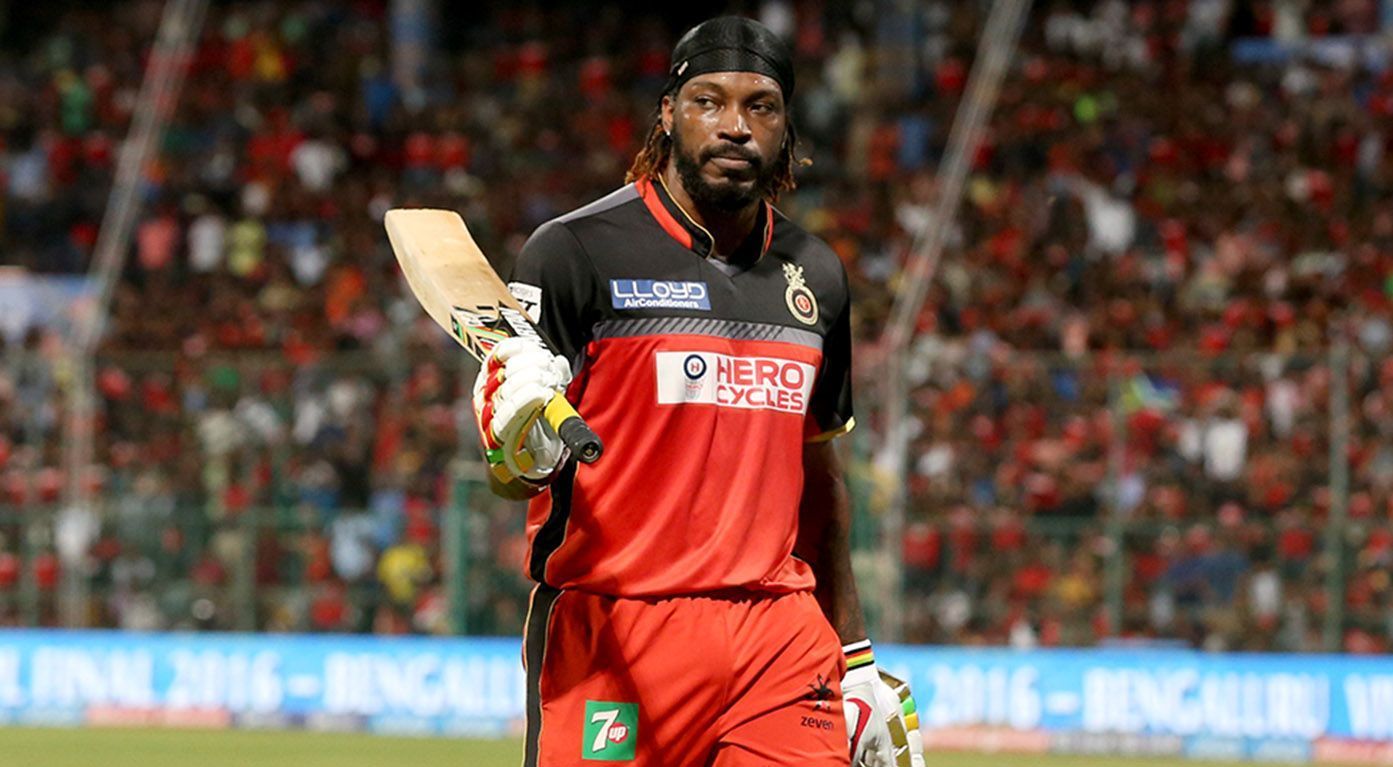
[[734, 127]]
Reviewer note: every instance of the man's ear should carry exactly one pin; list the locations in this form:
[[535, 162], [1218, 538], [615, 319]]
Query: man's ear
[[667, 114]]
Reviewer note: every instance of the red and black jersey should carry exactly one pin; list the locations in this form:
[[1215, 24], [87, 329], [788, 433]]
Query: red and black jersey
[[703, 377]]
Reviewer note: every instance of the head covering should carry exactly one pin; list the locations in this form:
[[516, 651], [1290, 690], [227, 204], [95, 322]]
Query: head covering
[[731, 44]]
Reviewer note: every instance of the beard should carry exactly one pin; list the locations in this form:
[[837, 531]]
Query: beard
[[729, 194]]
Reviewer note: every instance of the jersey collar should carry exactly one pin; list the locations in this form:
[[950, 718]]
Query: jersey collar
[[681, 227]]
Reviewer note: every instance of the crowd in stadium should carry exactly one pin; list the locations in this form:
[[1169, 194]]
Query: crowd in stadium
[[1166, 238]]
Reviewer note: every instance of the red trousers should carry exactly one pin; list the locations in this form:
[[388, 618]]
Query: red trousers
[[732, 680]]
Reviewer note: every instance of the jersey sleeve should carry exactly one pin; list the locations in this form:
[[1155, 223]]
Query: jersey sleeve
[[829, 411], [553, 281]]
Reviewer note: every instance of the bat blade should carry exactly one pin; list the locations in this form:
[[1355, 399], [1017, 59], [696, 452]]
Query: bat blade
[[458, 288], [453, 280]]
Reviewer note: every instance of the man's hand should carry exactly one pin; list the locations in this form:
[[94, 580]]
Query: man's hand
[[881, 720], [517, 380]]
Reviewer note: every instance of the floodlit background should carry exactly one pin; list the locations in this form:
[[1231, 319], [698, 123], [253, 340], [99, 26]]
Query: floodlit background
[[1122, 275]]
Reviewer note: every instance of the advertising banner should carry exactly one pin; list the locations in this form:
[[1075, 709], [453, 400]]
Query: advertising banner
[[1176, 702], [401, 685], [1292, 708]]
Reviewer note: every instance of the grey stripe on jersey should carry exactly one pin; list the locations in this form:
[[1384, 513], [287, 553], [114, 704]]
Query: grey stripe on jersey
[[612, 200], [733, 330]]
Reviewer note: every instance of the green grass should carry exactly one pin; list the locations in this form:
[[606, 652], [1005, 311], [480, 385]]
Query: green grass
[[243, 748], [198, 748]]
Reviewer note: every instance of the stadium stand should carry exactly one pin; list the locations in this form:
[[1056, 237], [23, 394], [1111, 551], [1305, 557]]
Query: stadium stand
[[1166, 240]]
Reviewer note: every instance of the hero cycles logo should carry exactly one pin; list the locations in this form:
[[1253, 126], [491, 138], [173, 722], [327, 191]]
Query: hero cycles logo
[[750, 383]]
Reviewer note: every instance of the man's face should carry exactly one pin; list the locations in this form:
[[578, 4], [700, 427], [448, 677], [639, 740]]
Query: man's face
[[727, 131]]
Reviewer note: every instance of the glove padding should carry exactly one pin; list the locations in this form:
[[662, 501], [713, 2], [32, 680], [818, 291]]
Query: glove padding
[[517, 380], [882, 722]]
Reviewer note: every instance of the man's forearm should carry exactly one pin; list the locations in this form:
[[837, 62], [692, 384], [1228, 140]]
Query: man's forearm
[[825, 541], [836, 591]]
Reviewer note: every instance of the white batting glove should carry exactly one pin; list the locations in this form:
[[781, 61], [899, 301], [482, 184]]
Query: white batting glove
[[905, 737], [516, 381], [882, 723]]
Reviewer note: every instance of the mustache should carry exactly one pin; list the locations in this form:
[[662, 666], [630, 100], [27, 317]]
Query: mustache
[[732, 152]]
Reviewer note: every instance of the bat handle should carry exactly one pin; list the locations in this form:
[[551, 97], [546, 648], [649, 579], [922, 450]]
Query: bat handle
[[573, 430]]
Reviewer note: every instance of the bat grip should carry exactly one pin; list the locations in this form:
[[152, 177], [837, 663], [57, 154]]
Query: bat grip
[[572, 429]]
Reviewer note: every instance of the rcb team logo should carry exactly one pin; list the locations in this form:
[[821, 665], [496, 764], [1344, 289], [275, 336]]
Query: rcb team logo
[[801, 302]]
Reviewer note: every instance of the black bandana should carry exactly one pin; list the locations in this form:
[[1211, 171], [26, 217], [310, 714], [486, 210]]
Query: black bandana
[[731, 44]]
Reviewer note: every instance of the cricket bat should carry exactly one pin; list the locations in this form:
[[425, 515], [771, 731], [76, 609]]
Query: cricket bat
[[460, 291]]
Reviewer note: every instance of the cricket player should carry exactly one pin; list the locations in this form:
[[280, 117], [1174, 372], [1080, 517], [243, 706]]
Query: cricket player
[[694, 602]]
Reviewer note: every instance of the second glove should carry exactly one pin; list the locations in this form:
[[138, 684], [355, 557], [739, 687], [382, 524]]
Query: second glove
[[516, 381]]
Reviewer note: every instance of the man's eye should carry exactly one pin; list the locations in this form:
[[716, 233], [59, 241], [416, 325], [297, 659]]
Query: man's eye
[[763, 107], [705, 101]]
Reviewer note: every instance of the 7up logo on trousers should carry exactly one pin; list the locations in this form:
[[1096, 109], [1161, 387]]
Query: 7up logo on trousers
[[611, 731]]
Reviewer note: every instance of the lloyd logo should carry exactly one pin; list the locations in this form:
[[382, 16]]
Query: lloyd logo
[[659, 294], [748, 383], [611, 731]]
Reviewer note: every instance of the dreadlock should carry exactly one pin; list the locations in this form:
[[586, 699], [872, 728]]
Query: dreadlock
[[652, 159]]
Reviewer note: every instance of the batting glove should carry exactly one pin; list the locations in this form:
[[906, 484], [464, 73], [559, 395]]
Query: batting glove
[[517, 380], [882, 721]]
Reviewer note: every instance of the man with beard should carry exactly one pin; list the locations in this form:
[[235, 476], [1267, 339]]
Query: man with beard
[[694, 601]]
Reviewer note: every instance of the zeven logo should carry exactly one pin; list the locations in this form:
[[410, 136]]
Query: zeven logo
[[750, 383], [611, 731], [659, 294]]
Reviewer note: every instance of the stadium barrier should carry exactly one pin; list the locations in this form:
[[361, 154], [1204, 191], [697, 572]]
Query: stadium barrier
[[1262, 707]]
